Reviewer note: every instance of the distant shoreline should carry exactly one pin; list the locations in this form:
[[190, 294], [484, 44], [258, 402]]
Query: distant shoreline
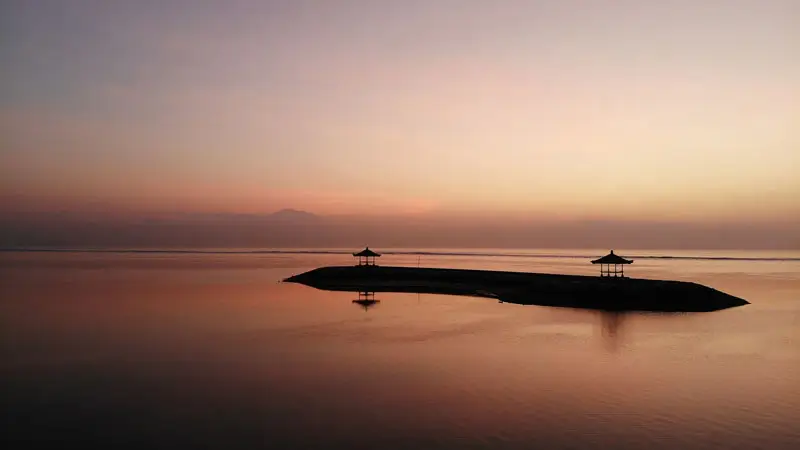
[[395, 252]]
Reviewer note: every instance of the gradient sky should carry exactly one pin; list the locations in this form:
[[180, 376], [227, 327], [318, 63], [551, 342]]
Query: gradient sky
[[606, 110]]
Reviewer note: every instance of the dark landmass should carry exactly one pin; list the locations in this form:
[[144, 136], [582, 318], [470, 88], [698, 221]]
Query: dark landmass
[[574, 291]]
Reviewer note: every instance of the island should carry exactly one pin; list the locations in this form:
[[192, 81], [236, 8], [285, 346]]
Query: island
[[609, 293]]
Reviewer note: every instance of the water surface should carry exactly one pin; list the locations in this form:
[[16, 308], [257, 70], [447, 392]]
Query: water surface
[[211, 350]]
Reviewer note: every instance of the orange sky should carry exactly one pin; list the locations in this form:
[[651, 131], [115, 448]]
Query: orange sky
[[552, 109]]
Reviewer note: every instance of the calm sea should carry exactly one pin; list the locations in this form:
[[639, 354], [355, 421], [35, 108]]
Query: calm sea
[[211, 350]]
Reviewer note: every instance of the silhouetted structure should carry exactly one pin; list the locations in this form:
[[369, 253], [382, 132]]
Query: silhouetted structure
[[612, 260], [366, 300], [364, 257]]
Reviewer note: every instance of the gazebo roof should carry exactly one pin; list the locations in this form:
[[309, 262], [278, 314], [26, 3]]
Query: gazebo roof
[[611, 258], [366, 252]]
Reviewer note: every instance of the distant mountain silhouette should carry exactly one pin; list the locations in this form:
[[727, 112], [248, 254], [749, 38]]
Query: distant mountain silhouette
[[296, 228], [284, 216], [290, 214]]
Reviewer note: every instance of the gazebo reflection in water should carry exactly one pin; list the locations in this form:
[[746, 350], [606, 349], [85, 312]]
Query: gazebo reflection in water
[[366, 300], [611, 329]]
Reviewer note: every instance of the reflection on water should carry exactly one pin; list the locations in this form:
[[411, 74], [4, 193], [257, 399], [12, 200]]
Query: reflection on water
[[612, 328], [366, 300], [202, 351]]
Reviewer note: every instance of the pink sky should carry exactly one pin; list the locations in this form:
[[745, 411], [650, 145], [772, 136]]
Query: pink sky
[[618, 110]]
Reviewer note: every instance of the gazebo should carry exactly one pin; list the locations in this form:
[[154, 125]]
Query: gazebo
[[612, 260], [364, 257]]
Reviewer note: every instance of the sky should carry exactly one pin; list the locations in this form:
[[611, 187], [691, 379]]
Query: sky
[[565, 110]]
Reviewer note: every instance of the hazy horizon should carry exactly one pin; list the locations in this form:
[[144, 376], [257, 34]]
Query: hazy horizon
[[301, 229], [470, 123]]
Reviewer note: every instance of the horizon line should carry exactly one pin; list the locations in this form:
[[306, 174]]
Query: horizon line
[[410, 252]]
